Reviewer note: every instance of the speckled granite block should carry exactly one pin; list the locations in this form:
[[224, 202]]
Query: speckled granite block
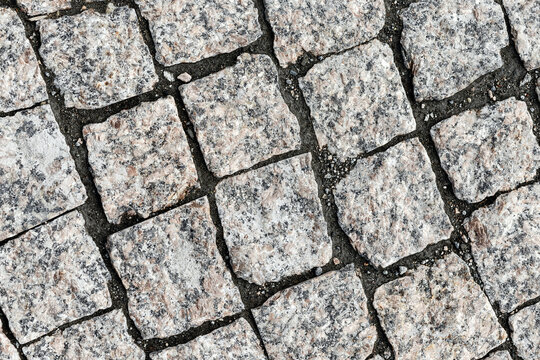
[[37, 7], [97, 59], [357, 100], [273, 222], [173, 272], [103, 337], [389, 205], [438, 313], [38, 180], [525, 326], [524, 18], [51, 275], [499, 355], [322, 26], [7, 350], [448, 44], [140, 159], [239, 115], [21, 84], [189, 31], [323, 318], [236, 341], [488, 150]]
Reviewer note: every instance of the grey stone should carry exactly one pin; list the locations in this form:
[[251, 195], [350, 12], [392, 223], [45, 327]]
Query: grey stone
[[7, 350], [525, 23], [37, 7], [273, 222], [389, 205], [525, 326], [538, 88], [184, 77], [499, 355]]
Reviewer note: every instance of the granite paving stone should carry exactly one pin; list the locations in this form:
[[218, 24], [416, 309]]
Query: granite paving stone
[[448, 44], [239, 115], [38, 179], [323, 318], [488, 150], [525, 326], [37, 7], [273, 222], [499, 355], [357, 100], [173, 273], [140, 159], [7, 350], [320, 27], [525, 23], [389, 204], [438, 313], [51, 275]]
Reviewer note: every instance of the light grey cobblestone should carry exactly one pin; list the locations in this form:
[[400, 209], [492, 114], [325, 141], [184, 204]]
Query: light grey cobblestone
[[7, 350], [525, 23], [525, 326], [37, 7]]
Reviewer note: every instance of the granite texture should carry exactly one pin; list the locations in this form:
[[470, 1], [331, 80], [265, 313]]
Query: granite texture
[[37, 7], [323, 318], [21, 84], [524, 16], [236, 341], [239, 115], [448, 44], [357, 101], [499, 355], [38, 179], [321, 26], [389, 205], [488, 150], [525, 326], [50, 276], [438, 313], [189, 31], [173, 273], [273, 222], [7, 350], [97, 59], [140, 159]]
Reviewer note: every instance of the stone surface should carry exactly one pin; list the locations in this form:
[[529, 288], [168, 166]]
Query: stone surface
[[525, 326], [273, 222], [38, 180], [321, 26], [97, 59], [505, 239], [239, 115], [525, 23], [7, 350], [50, 276], [37, 7], [191, 31], [449, 44], [488, 150], [103, 337], [438, 313], [389, 205], [323, 318], [140, 159], [184, 77], [357, 100], [499, 355], [236, 341], [21, 84], [538, 88], [173, 272]]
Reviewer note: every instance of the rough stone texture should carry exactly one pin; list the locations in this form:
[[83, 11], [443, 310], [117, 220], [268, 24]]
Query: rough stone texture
[[525, 326], [141, 160], [322, 26], [273, 222], [525, 23], [51, 275], [505, 239], [499, 355], [21, 84], [449, 44], [357, 100], [438, 313], [38, 180], [103, 337], [389, 205], [488, 150], [188, 31], [98, 59], [324, 318], [538, 88], [239, 115], [37, 7], [7, 350], [173, 272], [236, 341]]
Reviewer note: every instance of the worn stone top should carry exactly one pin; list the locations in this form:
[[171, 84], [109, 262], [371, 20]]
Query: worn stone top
[[37, 7], [525, 23], [525, 326], [7, 350]]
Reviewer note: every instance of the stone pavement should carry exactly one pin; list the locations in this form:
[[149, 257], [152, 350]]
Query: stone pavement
[[270, 179]]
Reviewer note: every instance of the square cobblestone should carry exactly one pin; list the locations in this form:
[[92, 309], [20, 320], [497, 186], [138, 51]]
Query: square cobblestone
[[389, 204], [525, 326], [524, 18], [141, 160], [173, 272], [499, 355], [323, 318], [438, 313], [239, 115], [273, 222], [489, 150], [7, 350], [38, 179], [50, 276]]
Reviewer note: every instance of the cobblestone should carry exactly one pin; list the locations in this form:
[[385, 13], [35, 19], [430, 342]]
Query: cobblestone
[[37, 7], [7, 350], [525, 22], [525, 327]]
